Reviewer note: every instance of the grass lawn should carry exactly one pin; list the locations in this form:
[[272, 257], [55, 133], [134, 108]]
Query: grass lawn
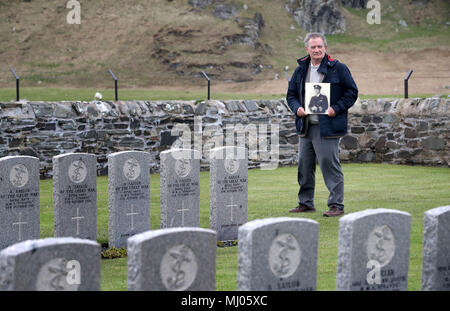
[[414, 189], [87, 94]]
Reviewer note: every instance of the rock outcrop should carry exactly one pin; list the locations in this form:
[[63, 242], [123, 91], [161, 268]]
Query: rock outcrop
[[317, 15], [356, 4], [188, 49]]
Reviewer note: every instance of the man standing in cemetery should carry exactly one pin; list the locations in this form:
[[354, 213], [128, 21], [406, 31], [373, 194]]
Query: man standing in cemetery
[[320, 134]]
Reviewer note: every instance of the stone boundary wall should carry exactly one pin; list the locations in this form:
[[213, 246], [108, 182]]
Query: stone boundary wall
[[400, 131]]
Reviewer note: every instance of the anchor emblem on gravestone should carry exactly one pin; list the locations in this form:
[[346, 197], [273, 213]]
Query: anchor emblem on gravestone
[[53, 276], [182, 167], [77, 171], [381, 245], [178, 267], [284, 255], [231, 165], [131, 169]]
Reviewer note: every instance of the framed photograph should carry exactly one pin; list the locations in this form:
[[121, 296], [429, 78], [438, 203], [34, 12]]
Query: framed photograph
[[317, 98]]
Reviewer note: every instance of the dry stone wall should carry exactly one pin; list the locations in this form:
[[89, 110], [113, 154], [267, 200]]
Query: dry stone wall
[[400, 131]]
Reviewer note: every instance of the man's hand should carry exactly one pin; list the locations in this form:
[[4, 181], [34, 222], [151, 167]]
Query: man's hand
[[331, 112], [301, 112]]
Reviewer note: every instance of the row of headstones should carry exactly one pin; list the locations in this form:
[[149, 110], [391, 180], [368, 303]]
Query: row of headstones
[[274, 254], [75, 194]]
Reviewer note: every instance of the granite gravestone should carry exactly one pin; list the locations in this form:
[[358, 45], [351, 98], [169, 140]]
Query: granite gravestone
[[129, 195], [278, 254], [228, 191], [436, 249], [173, 259], [19, 199], [75, 195], [373, 250], [180, 188], [51, 264]]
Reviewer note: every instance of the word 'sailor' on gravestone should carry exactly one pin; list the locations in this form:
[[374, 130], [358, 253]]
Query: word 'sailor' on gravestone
[[172, 259], [373, 250], [75, 195], [128, 195], [228, 191], [19, 199], [51, 264], [180, 188], [436, 249], [278, 254]]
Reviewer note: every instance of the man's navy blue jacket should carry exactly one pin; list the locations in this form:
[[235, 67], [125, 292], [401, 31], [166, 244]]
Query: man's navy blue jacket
[[343, 89]]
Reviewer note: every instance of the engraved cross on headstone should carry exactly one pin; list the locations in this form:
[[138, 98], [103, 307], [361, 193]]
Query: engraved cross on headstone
[[182, 210], [132, 214], [232, 206], [78, 218], [20, 223]]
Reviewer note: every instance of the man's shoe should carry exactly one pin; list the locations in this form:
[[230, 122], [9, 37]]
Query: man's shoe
[[302, 209], [334, 211]]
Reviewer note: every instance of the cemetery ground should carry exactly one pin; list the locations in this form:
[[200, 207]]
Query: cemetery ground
[[271, 193]]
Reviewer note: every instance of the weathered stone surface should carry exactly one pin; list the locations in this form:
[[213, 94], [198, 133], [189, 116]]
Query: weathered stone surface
[[175, 259], [128, 196], [200, 3], [436, 249], [228, 191], [51, 264], [373, 250], [75, 195], [317, 16], [19, 199], [357, 4], [226, 11], [180, 188], [433, 143], [278, 254], [349, 142]]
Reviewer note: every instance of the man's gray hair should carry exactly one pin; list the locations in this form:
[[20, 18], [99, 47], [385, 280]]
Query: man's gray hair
[[313, 35]]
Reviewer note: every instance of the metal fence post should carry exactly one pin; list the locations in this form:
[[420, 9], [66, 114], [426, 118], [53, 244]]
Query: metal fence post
[[17, 83], [115, 84], [209, 84], [406, 82]]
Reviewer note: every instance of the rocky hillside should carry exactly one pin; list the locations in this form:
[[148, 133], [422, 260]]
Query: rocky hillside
[[170, 42]]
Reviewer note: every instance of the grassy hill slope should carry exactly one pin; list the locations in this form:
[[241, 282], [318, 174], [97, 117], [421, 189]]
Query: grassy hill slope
[[162, 43]]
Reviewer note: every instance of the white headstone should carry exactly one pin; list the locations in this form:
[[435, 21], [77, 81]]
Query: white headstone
[[75, 195], [174, 259], [180, 188], [19, 199], [374, 250], [228, 191], [436, 249], [278, 254], [129, 195]]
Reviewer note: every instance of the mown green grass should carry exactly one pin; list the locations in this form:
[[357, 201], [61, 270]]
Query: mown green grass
[[414, 189], [86, 94]]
